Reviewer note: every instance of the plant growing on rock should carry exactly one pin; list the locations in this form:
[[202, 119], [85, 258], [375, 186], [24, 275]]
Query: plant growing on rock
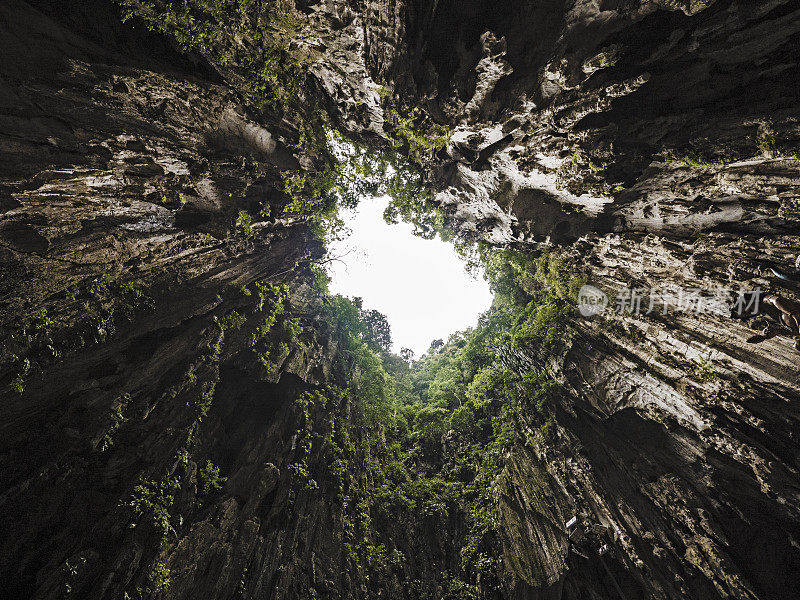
[[209, 479], [271, 64]]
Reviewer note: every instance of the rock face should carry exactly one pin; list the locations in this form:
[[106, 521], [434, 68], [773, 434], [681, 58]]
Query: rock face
[[654, 143], [124, 167], [657, 143]]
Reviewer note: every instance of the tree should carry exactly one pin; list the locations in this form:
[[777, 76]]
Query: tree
[[377, 332], [370, 326], [407, 354]]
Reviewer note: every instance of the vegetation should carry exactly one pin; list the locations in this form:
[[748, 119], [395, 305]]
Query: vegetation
[[276, 328], [209, 480], [266, 50], [697, 160], [404, 445], [159, 577], [244, 222], [401, 444], [116, 419], [410, 139], [268, 57], [355, 172], [152, 500]]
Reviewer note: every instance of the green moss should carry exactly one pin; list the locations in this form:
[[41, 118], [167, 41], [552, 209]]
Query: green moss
[[696, 160], [701, 369], [18, 384], [244, 222], [159, 577]]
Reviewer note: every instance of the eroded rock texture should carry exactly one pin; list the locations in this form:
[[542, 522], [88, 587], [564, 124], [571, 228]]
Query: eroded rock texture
[[124, 165], [656, 143]]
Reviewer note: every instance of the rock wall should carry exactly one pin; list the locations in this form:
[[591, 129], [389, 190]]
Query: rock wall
[[655, 144], [124, 165]]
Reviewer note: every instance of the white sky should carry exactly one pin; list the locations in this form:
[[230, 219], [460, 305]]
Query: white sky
[[420, 285]]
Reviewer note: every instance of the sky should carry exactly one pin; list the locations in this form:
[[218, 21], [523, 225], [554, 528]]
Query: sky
[[420, 285]]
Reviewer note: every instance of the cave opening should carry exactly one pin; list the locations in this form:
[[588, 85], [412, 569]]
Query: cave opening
[[421, 285], [200, 403]]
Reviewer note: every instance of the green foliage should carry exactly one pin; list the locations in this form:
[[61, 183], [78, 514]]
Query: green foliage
[[414, 443], [451, 417], [18, 383], [409, 135], [279, 68], [276, 328], [209, 480], [377, 332], [262, 47], [355, 172], [533, 296], [410, 200], [159, 577], [152, 501], [319, 281], [203, 403], [696, 160], [593, 166], [367, 325], [245, 222], [356, 355], [233, 320], [301, 477], [267, 56], [39, 321], [106, 303], [430, 423], [598, 168]]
